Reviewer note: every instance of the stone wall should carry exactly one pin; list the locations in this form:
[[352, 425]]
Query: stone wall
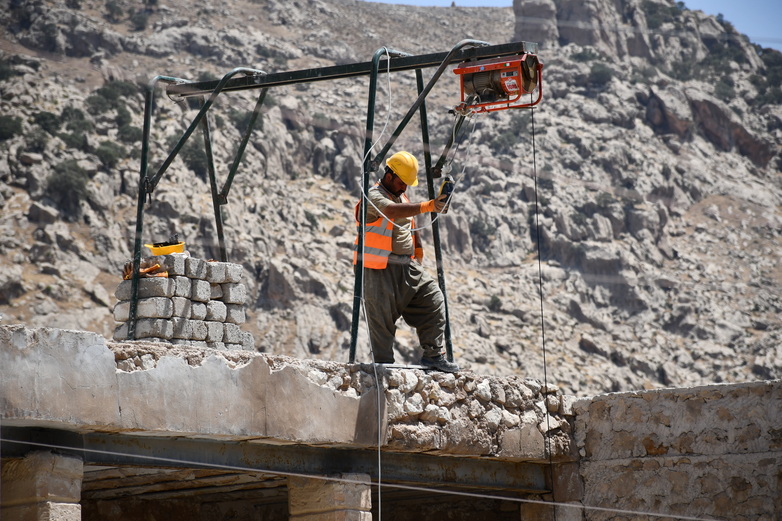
[[701, 452], [464, 413], [200, 303]]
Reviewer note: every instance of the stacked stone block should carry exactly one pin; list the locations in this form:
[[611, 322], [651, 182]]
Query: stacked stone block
[[200, 303]]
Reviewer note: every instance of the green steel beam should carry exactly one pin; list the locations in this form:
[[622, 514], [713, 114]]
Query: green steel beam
[[403, 63]]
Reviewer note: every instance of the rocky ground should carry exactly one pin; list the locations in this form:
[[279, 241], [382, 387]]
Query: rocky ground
[[652, 186]]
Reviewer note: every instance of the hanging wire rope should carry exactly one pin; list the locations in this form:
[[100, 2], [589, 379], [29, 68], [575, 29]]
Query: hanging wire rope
[[540, 295], [362, 302], [363, 245]]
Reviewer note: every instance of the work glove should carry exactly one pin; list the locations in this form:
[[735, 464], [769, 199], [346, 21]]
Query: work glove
[[434, 205]]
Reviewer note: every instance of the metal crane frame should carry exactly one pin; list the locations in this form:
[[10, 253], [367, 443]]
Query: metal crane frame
[[243, 78]]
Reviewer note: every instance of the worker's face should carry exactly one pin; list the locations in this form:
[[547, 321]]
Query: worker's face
[[393, 184]]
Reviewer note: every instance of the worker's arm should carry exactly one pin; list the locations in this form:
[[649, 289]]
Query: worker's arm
[[397, 210]]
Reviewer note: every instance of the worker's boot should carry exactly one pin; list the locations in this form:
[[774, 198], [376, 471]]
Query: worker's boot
[[439, 363]]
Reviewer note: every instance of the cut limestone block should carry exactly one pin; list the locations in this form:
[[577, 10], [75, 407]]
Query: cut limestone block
[[173, 264], [150, 287], [182, 328], [235, 314], [200, 290], [234, 293], [198, 311], [182, 307], [216, 310], [195, 268], [217, 291], [232, 335], [233, 272], [199, 329], [214, 332], [215, 272], [248, 341], [183, 287], [154, 307], [147, 328]]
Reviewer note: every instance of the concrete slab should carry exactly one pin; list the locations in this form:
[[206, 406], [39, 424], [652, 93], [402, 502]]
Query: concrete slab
[[57, 376]]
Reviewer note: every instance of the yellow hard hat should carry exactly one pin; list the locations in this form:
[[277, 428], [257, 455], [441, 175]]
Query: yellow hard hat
[[405, 166]]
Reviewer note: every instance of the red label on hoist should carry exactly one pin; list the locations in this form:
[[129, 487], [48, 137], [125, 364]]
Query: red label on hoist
[[511, 85]]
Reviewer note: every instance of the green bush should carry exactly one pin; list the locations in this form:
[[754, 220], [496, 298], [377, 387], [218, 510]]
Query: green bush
[[123, 117], [605, 199], [195, 159], [115, 90], [773, 96], [97, 104], [71, 114], [80, 126], [482, 232], [6, 71], [770, 79], [682, 71], [241, 120], [50, 33], [67, 187], [10, 126], [724, 89], [494, 304], [47, 121], [658, 14], [110, 153], [139, 20], [37, 140], [110, 96], [600, 74], [113, 11], [772, 59], [586, 55], [129, 134], [75, 140]]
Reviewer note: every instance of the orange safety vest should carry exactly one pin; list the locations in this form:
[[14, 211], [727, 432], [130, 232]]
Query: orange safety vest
[[377, 239]]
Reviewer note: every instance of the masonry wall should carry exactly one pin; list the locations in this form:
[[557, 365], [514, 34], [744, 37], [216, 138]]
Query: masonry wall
[[199, 303], [704, 452]]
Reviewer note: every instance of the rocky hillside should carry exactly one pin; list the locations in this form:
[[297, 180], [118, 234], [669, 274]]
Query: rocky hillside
[[652, 185]]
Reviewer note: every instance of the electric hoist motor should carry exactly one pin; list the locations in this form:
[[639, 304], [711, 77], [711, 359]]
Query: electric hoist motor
[[499, 83]]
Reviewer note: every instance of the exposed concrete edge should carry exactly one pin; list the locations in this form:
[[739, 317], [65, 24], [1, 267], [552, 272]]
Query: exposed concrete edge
[[70, 380], [78, 381]]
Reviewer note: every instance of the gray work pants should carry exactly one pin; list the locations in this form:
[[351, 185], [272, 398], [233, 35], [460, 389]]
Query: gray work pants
[[404, 290]]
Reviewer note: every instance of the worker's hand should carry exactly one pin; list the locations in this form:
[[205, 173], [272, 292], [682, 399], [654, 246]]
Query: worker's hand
[[439, 203]]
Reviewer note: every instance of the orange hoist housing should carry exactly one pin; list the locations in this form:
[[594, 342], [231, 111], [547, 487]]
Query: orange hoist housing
[[499, 83]]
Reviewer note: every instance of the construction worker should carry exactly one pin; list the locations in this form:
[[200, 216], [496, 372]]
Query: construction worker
[[395, 283]]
